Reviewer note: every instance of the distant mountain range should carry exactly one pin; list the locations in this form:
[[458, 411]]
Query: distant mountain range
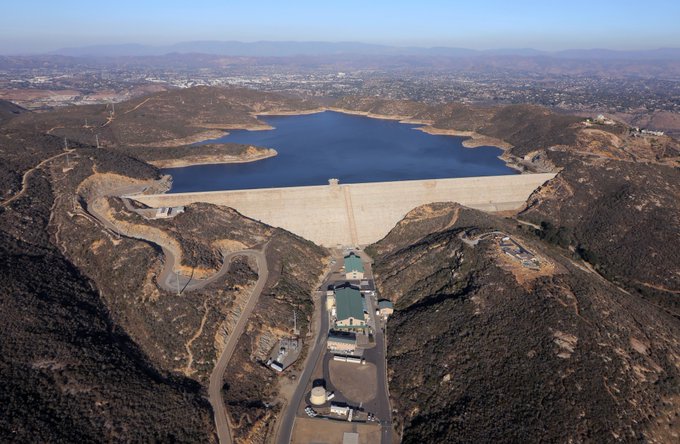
[[288, 49]]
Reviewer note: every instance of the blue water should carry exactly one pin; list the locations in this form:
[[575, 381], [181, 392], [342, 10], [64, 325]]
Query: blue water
[[315, 147]]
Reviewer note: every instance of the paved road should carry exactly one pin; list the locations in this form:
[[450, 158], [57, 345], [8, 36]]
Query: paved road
[[475, 240], [285, 432], [168, 281], [380, 406], [378, 355], [288, 420], [217, 375]]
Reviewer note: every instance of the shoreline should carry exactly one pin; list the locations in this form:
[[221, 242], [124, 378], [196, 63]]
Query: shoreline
[[474, 139], [189, 140], [290, 113], [237, 126], [213, 160]]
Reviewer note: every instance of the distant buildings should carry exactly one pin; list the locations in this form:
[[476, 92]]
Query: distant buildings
[[601, 119], [516, 251], [354, 268], [637, 132]]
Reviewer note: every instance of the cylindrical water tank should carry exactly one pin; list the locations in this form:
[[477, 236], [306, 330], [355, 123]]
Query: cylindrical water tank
[[318, 396]]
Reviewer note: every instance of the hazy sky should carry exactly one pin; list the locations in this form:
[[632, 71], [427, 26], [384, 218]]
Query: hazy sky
[[30, 25]]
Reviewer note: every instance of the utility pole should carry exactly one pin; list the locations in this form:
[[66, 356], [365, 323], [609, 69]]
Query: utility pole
[[68, 164], [96, 136], [178, 292], [295, 330]]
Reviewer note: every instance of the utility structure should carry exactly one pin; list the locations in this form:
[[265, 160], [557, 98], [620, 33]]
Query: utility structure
[[178, 290], [96, 137], [295, 330], [68, 162]]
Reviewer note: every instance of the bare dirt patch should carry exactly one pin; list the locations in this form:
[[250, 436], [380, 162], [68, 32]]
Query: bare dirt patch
[[309, 430], [524, 274], [358, 382], [251, 154], [475, 139]]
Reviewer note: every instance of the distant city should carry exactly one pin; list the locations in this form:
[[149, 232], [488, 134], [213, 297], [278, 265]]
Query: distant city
[[622, 89]]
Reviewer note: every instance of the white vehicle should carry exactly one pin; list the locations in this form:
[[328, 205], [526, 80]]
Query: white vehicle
[[330, 395]]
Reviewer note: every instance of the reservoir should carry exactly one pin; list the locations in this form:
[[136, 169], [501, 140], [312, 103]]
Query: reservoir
[[316, 147]]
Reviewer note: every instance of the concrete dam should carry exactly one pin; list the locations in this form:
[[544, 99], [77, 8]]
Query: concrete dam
[[362, 213]]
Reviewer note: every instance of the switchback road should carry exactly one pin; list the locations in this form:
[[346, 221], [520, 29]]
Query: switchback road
[[165, 281], [217, 375]]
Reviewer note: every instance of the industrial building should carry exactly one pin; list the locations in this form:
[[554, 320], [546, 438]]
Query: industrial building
[[166, 212], [339, 409], [354, 268], [341, 342], [330, 300], [350, 314], [385, 307], [284, 354]]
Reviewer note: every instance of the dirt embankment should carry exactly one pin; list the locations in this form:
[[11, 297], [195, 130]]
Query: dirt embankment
[[194, 138], [96, 190], [475, 140], [250, 154]]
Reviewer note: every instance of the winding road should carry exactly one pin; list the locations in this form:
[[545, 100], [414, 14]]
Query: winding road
[[24, 178], [285, 433], [168, 281], [217, 375]]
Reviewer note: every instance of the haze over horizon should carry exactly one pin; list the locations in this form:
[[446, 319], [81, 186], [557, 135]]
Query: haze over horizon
[[621, 25]]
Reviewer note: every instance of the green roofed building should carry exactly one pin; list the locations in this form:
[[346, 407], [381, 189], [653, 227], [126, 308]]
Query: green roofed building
[[349, 308], [354, 268], [386, 307]]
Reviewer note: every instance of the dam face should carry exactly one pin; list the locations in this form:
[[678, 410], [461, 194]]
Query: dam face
[[359, 214]]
